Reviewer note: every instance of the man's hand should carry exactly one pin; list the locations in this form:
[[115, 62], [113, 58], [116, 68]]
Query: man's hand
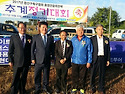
[[107, 63], [52, 61], [62, 61], [10, 64], [88, 65], [33, 61]]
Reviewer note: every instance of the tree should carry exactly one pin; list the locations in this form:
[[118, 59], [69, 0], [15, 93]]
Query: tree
[[32, 22], [102, 17]]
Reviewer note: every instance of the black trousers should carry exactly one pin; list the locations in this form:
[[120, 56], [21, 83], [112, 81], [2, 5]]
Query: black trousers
[[78, 76], [61, 77], [99, 66], [19, 80], [39, 68]]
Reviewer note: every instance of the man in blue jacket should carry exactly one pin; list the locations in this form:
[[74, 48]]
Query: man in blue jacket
[[81, 59]]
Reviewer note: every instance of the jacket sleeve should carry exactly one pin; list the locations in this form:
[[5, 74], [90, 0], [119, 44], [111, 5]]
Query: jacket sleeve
[[57, 52], [70, 51], [108, 57], [11, 51], [33, 47], [90, 50], [52, 48]]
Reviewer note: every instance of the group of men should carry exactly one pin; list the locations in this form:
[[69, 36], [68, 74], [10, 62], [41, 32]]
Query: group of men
[[81, 53]]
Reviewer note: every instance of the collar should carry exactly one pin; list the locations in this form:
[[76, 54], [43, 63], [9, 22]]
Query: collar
[[81, 38], [22, 35], [43, 35], [99, 38], [63, 41]]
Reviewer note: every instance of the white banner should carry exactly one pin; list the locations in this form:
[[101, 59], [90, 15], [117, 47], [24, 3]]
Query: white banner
[[43, 11]]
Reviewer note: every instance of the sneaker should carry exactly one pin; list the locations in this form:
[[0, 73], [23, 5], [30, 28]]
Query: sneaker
[[82, 91], [73, 91]]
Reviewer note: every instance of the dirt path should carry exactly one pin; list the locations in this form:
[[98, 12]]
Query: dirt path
[[115, 80]]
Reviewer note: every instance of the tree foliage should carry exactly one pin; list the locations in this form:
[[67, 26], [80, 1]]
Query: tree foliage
[[102, 17]]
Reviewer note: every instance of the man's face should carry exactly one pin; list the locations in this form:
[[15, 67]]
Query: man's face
[[43, 29], [22, 29], [63, 35], [80, 32], [99, 31]]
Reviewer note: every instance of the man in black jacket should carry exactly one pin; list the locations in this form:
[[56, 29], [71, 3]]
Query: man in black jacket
[[19, 56], [101, 58], [63, 52]]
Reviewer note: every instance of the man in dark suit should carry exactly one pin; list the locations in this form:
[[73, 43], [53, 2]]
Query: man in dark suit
[[63, 52], [101, 58], [19, 57], [42, 52]]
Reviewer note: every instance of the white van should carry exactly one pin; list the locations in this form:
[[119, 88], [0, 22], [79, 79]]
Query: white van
[[54, 31], [118, 33]]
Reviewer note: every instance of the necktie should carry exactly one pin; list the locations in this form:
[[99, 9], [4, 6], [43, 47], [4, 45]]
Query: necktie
[[63, 47], [44, 40], [23, 41]]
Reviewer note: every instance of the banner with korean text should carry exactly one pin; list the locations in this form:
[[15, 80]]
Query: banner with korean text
[[117, 52], [4, 47], [43, 11]]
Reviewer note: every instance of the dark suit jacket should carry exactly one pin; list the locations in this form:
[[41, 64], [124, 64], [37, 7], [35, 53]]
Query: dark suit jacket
[[59, 53], [39, 52], [95, 48], [18, 55]]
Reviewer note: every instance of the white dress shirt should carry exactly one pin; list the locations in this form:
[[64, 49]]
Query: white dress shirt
[[24, 38], [43, 37], [64, 46], [100, 46]]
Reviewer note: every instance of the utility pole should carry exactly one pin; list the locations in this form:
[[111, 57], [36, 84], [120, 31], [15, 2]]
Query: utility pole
[[110, 20]]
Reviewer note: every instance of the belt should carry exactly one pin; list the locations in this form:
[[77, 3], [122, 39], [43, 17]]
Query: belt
[[100, 55]]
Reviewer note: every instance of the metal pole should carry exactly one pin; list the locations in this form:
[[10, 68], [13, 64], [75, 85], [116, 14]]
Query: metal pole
[[86, 27], [110, 20]]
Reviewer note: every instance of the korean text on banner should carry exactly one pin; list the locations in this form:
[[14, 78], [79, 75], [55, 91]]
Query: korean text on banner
[[43, 11]]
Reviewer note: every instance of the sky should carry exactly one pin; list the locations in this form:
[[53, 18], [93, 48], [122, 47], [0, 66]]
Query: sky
[[117, 5]]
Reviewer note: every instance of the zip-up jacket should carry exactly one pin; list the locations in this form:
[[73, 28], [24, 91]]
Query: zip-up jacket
[[82, 50]]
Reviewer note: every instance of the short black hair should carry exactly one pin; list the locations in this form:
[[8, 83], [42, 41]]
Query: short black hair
[[63, 31], [43, 23], [21, 23], [99, 25]]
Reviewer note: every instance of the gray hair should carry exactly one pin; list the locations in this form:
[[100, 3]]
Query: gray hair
[[79, 26]]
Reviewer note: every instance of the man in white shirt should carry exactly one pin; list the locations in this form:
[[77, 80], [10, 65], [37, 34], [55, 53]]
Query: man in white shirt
[[101, 57]]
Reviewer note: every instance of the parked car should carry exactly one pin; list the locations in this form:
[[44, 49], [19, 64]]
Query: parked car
[[54, 31], [7, 29], [123, 35], [118, 33]]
